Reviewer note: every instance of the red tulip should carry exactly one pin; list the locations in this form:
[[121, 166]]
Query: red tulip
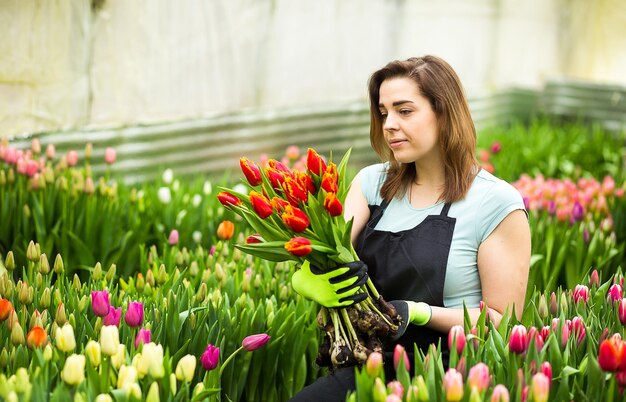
[[228, 199], [315, 163], [305, 181], [329, 179], [518, 339], [612, 354], [545, 332], [332, 204], [295, 219], [279, 204], [299, 246], [253, 342], [456, 336], [581, 293], [276, 177], [274, 164], [546, 369], [260, 204], [251, 171], [254, 238]]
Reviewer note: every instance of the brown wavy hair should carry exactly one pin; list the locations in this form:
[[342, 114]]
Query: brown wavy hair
[[438, 83]]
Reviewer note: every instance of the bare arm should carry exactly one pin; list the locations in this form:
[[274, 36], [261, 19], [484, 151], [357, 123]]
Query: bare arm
[[503, 265], [356, 206]]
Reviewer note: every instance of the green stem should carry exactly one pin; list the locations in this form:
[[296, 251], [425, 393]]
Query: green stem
[[372, 289], [232, 355], [351, 331]]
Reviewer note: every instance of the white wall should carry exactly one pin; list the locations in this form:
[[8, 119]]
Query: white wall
[[146, 61]]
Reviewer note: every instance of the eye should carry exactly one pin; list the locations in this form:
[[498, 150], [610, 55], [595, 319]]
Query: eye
[[383, 115], [405, 112]]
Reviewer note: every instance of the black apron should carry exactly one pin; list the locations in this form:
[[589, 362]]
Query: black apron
[[410, 265]]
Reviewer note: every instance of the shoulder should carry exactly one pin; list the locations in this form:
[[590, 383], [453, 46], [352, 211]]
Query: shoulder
[[492, 190], [371, 180]]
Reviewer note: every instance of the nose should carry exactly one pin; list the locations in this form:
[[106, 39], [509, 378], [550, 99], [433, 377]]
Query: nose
[[390, 123]]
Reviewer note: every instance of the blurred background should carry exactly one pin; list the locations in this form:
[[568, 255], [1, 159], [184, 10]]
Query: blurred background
[[193, 85]]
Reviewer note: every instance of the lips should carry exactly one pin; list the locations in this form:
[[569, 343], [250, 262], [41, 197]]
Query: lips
[[397, 143]]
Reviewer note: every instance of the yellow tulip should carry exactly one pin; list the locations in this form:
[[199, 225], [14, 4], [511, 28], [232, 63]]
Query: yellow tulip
[[64, 338], [109, 340], [74, 370], [92, 351], [186, 368]]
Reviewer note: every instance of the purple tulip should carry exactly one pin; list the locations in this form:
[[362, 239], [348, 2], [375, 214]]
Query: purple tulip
[[173, 238], [143, 336], [134, 314], [212, 250], [100, 302], [253, 342], [552, 208], [577, 212], [210, 358], [113, 317]]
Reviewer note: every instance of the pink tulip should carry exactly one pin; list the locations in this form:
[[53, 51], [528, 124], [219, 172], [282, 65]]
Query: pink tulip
[[253, 342], [540, 387], [395, 388], [456, 336], [72, 158], [134, 314], [110, 155], [32, 167], [478, 377], [100, 302], [581, 293], [578, 329], [143, 336], [210, 358], [544, 333], [500, 394], [594, 279], [398, 353], [113, 317], [453, 385], [495, 147], [621, 311], [553, 305], [393, 398], [374, 364], [546, 369], [173, 237], [533, 334], [615, 293], [50, 151], [518, 340], [35, 146]]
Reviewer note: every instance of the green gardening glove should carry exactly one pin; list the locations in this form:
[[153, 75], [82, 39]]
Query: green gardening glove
[[337, 287], [417, 313]]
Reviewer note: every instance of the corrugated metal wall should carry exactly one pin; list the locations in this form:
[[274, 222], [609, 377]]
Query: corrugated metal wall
[[213, 145]]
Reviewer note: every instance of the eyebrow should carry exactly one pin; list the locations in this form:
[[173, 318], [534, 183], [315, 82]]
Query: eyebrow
[[396, 103]]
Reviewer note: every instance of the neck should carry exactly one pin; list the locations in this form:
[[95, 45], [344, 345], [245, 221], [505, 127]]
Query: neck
[[430, 175]]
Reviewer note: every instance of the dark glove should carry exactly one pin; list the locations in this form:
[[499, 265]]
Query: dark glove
[[338, 287], [417, 313]]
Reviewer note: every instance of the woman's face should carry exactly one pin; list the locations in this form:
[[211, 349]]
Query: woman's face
[[409, 123]]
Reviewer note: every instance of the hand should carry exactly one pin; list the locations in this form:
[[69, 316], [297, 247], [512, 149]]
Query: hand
[[417, 313], [338, 287]]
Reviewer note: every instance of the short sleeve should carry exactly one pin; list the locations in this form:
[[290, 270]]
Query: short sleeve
[[499, 201], [372, 178]]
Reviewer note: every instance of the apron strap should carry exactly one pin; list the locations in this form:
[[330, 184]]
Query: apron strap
[[446, 208]]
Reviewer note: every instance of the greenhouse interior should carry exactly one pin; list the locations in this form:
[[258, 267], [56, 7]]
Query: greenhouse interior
[[193, 199]]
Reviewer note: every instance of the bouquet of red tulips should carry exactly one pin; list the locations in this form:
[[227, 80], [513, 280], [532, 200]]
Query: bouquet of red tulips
[[298, 216]]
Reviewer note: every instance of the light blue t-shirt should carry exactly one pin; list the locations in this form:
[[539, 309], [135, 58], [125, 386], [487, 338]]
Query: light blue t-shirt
[[488, 201]]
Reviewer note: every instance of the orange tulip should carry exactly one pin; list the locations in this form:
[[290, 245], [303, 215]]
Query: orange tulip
[[612, 354], [261, 204], [251, 171], [294, 191], [276, 177], [305, 181], [5, 309], [332, 204], [225, 230], [329, 179], [274, 164], [36, 338], [295, 219], [279, 204]]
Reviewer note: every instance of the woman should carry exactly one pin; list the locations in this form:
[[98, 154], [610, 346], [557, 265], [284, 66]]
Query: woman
[[434, 229]]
